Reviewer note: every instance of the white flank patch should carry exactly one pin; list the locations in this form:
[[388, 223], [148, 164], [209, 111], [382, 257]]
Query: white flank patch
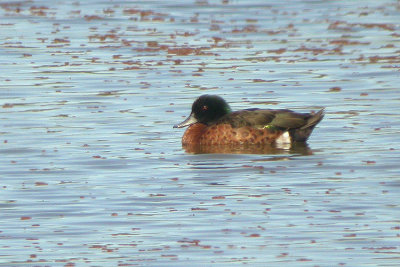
[[283, 141]]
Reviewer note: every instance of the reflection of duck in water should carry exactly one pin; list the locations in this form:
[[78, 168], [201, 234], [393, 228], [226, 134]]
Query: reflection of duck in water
[[212, 123]]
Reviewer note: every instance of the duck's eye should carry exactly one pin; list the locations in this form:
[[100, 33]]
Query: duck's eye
[[204, 108]]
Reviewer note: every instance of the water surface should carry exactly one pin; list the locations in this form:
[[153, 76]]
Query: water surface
[[93, 174]]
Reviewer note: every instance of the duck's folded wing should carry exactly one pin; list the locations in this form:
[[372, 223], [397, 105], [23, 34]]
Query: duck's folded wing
[[290, 120], [249, 117], [260, 118], [281, 118], [293, 120]]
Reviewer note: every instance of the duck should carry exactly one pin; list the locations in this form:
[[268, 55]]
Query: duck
[[212, 122]]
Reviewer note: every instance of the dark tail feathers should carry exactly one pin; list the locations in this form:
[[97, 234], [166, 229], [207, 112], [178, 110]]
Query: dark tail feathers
[[303, 133]]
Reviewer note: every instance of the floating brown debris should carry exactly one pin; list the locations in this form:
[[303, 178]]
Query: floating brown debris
[[344, 26], [277, 51], [60, 40], [335, 89], [92, 17], [103, 37], [185, 51], [348, 42], [38, 11]]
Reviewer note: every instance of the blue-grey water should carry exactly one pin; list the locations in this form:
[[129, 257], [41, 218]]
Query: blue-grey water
[[93, 174]]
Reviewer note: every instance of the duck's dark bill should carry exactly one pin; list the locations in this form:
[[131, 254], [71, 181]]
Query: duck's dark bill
[[189, 121]]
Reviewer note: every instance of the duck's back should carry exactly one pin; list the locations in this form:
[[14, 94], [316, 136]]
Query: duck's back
[[262, 118]]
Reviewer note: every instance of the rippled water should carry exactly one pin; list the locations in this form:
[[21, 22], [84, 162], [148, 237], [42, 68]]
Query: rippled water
[[92, 172]]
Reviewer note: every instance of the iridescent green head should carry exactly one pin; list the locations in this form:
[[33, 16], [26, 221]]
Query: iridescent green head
[[206, 109]]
